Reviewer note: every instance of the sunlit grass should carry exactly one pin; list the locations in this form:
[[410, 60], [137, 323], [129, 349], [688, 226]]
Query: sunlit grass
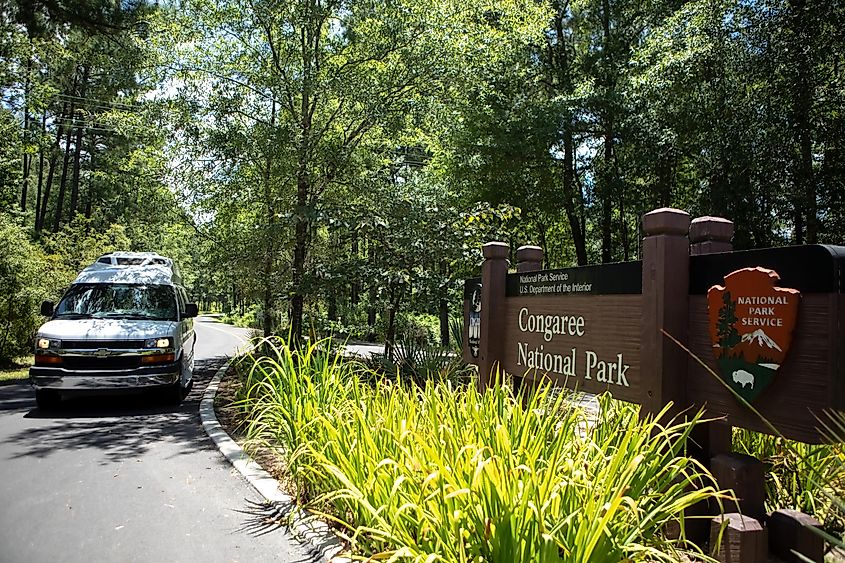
[[17, 373], [439, 473]]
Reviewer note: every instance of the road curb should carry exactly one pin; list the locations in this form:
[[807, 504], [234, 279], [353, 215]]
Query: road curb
[[314, 533]]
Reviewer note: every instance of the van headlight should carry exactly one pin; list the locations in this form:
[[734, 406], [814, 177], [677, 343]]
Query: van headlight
[[47, 344], [158, 343]]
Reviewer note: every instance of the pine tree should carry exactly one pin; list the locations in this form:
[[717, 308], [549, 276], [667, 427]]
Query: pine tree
[[728, 335]]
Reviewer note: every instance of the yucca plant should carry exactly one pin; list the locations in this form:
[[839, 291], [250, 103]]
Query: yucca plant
[[417, 363], [456, 332]]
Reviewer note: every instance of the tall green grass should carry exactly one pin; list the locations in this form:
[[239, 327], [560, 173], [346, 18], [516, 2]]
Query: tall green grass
[[439, 473], [805, 477]]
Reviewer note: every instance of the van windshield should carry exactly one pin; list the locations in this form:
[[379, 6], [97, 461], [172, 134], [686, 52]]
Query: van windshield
[[118, 301]]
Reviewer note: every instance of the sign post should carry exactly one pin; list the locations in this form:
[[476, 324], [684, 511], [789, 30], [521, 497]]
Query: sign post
[[665, 286], [494, 270]]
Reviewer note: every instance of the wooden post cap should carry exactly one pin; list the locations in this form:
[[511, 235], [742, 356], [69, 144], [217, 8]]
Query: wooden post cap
[[666, 221], [529, 254], [495, 250], [711, 229], [744, 539]]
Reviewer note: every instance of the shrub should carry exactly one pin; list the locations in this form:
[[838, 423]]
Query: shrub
[[21, 291], [248, 320], [445, 474], [421, 328]]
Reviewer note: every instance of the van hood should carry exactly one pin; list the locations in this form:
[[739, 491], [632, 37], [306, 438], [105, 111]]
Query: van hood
[[107, 329]]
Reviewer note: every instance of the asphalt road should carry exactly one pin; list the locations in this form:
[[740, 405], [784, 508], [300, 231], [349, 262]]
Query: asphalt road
[[127, 478]]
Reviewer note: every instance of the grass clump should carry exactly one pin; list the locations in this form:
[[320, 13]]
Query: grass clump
[[444, 473], [805, 477]]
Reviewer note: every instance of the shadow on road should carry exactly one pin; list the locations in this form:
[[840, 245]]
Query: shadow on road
[[122, 426]]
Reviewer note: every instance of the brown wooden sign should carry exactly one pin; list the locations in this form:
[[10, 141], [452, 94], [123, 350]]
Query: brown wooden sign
[[766, 324], [810, 377], [579, 327]]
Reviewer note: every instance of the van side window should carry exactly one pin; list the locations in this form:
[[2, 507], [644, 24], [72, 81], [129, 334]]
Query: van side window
[[104, 260]]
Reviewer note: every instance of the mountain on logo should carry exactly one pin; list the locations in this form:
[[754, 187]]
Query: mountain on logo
[[760, 338]]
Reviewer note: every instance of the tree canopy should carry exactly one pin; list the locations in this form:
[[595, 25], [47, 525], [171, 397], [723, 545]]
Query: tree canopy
[[336, 164]]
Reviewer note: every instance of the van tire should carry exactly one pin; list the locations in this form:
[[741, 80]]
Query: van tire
[[173, 394], [47, 399]]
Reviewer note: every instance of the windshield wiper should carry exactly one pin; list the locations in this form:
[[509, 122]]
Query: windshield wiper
[[73, 316]]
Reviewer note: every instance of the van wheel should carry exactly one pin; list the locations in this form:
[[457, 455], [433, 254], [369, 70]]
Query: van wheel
[[172, 394], [47, 399]]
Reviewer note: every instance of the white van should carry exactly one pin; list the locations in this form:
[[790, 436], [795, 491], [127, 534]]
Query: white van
[[124, 324]]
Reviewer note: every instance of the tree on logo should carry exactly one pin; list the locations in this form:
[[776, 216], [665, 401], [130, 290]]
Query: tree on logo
[[727, 333]]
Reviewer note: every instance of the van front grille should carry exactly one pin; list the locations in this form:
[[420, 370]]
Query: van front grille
[[97, 344], [107, 363]]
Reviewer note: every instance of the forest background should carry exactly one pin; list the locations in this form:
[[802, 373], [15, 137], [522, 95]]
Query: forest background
[[334, 165]]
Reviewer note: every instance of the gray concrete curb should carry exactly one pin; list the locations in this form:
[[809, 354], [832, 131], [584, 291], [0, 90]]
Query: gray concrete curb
[[314, 533]]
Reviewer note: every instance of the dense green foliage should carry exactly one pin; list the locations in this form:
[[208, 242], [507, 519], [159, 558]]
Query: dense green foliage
[[21, 266], [439, 473], [335, 164]]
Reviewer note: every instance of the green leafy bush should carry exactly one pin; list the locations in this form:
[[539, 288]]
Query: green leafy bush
[[78, 244], [248, 320], [22, 287], [421, 328], [440, 473]]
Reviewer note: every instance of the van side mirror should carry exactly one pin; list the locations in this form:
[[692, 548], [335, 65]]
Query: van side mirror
[[47, 308], [191, 310]]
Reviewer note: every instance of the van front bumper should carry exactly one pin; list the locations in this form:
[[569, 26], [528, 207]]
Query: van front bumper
[[62, 379]]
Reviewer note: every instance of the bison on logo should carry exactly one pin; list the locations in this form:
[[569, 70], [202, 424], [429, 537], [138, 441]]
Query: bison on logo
[[751, 323]]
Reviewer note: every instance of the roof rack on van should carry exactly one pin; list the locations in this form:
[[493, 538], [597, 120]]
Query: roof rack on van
[[110, 265], [134, 259]]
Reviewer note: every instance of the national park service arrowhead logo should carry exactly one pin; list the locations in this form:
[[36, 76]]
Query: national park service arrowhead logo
[[751, 323]]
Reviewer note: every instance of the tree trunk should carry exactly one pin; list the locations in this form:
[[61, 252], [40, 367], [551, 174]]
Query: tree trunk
[[54, 155], [393, 308], [444, 305], [570, 199], [355, 289], [607, 182], [561, 61], [607, 201], [804, 174], [74, 189], [89, 196], [300, 248], [623, 228], [40, 167], [269, 254], [309, 38], [27, 158], [60, 201], [371, 305], [804, 187]]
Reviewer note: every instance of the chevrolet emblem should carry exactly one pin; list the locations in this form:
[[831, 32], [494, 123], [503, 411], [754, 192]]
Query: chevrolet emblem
[[101, 353]]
